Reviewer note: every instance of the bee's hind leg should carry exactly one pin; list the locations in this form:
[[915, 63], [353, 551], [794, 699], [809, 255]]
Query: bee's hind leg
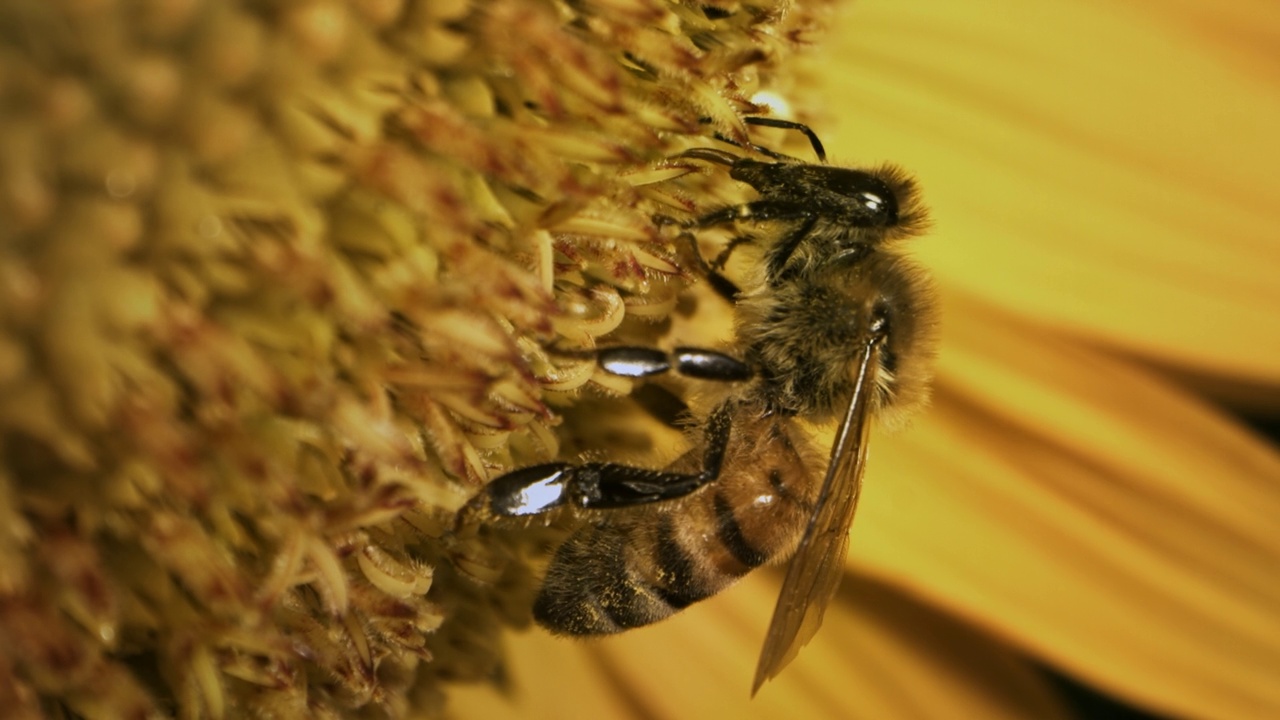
[[540, 488]]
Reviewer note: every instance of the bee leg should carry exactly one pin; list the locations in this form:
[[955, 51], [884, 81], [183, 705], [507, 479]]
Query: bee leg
[[630, 361], [612, 485], [638, 362], [722, 258], [790, 125], [780, 253], [538, 489], [723, 286]]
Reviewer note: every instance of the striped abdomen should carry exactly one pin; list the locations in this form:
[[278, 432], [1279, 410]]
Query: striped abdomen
[[638, 567]]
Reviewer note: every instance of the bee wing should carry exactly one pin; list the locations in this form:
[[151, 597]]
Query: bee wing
[[815, 571]]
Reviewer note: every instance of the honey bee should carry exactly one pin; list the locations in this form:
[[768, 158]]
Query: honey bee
[[833, 325]]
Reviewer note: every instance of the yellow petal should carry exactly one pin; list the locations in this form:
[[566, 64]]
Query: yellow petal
[[1108, 170], [553, 679], [1088, 512], [879, 655]]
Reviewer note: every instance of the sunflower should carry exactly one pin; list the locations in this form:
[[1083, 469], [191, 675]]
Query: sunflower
[[277, 278], [1081, 494]]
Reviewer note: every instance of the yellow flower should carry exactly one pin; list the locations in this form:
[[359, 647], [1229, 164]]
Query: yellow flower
[[1102, 181]]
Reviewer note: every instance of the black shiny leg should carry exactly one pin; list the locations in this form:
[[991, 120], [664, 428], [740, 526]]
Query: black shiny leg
[[538, 489], [630, 361], [638, 362]]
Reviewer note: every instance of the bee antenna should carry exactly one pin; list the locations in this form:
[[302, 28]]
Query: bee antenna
[[710, 155], [818, 150]]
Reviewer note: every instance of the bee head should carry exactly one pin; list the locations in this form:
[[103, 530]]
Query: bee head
[[882, 202], [890, 199], [865, 200]]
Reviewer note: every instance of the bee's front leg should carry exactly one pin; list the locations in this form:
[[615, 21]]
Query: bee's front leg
[[723, 286], [766, 210], [540, 488]]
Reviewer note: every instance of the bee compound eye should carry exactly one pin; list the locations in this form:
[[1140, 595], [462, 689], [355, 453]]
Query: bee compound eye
[[872, 202], [868, 199], [883, 208]]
